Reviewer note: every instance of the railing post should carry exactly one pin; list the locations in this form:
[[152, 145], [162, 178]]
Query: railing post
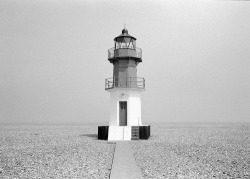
[[130, 83]]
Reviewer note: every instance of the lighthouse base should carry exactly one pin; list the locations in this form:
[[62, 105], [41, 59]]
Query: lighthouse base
[[119, 133], [123, 133]]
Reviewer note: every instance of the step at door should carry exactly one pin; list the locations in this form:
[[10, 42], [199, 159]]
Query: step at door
[[135, 133]]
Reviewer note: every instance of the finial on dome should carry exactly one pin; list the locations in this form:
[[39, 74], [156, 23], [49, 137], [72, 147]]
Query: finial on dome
[[124, 31]]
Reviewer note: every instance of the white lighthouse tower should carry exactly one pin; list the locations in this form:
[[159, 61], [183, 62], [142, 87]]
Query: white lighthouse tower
[[125, 89]]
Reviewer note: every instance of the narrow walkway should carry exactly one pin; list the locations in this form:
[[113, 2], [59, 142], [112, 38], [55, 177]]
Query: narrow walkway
[[124, 165]]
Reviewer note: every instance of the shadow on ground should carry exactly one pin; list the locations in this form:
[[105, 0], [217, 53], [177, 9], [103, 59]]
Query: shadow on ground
[[93, 136]]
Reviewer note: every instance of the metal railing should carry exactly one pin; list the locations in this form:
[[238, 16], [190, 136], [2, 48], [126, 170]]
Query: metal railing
[[125, 82], [137, 52]]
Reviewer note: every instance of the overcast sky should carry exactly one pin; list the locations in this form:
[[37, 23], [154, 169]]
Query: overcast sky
[[53, 59]]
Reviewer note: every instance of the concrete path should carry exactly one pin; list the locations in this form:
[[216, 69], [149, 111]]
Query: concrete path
[[124, 165]]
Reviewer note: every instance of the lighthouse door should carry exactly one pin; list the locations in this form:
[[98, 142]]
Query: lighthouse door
[[123, 113]]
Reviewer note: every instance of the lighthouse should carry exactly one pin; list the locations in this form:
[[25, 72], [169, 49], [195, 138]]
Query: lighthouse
[[125, 88]]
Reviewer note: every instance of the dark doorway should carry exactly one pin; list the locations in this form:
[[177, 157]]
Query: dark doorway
[[123, 113]]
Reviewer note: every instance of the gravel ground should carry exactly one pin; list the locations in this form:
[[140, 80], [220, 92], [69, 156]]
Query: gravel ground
[[195, 151], [54, 152]]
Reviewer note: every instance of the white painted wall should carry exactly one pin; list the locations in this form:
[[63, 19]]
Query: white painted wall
[[119, 133], [134, 110], [133, 98], [127, 133]]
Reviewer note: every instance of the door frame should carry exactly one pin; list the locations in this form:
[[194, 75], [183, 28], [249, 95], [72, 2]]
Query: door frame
[[121, 106]]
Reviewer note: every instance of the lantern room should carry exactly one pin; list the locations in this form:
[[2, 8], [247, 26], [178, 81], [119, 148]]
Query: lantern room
[[125, 47], [125, 41]]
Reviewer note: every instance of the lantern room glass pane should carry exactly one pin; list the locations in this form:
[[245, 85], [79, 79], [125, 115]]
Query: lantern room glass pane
[[123, 45], [125, 42], [127, 39], [120, 39], [117, 45], [134, 43]]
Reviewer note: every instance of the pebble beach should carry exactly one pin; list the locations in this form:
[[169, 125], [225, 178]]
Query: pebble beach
[[54, 152], [195, 151], [172, 151]]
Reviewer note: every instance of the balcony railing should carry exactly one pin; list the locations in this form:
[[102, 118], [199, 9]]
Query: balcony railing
[[124, 52], [124, 82]]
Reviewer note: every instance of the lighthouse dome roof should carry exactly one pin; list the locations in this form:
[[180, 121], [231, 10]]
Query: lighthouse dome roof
[[124, 31], [124, 34]]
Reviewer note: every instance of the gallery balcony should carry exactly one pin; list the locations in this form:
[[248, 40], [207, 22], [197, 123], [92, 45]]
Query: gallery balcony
[[125, 82], [121, 53]]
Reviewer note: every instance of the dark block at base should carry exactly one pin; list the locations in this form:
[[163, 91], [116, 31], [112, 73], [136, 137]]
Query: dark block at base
[[103, 132], [144, 132]]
